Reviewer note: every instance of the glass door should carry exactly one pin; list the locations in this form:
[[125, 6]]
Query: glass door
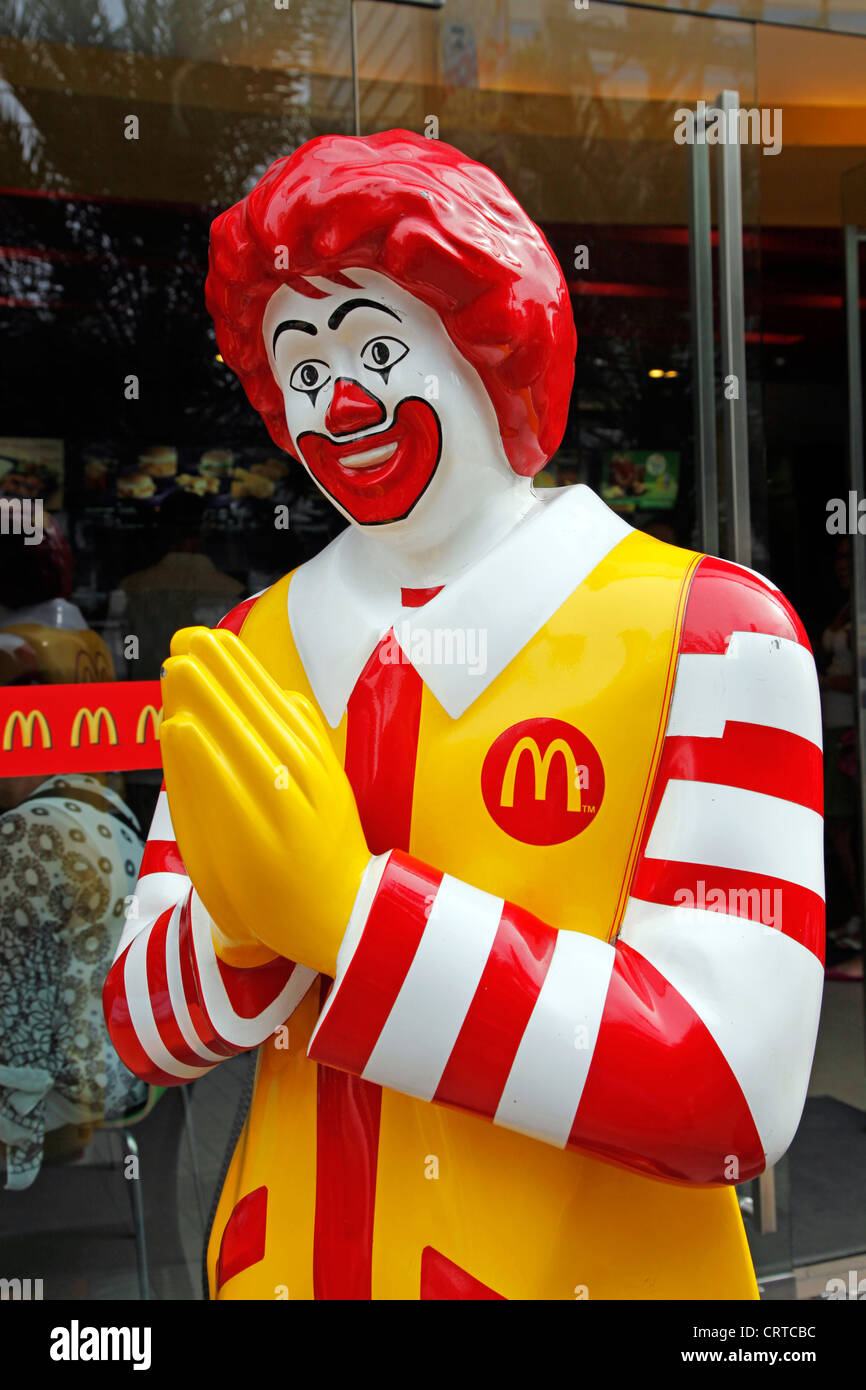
[[808, 366], [577, 109], [589, 114], [707, 287]]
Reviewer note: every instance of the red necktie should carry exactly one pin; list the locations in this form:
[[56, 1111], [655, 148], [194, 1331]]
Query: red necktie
[[382, 721]]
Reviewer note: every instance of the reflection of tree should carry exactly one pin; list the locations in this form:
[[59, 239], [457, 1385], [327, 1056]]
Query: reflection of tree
[[232, 85], [71, 70], [575, 112]]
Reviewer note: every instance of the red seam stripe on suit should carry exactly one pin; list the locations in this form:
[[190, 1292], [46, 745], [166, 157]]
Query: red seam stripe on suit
[[444, 1281], [243, 1237]]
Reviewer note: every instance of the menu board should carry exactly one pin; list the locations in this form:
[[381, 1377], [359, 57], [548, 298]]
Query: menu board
[[640, 479], [224, 478]]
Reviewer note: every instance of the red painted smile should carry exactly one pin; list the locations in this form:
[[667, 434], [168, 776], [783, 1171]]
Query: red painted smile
[[380, 477]]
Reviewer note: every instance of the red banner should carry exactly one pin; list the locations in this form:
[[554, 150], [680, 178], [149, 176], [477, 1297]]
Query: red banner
[[110, 726]]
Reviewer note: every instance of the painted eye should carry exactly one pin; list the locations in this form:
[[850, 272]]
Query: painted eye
[[310, 377], [381, 354]]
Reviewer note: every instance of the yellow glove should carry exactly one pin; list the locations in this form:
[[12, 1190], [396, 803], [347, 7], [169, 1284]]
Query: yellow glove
[[264, 815]]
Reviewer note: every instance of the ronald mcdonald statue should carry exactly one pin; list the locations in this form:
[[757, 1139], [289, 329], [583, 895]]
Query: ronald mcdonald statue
[[496, 827]]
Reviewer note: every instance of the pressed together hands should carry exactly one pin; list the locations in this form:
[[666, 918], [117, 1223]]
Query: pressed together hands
[[263, 813]]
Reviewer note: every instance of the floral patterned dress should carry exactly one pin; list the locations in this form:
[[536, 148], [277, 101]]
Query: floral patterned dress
[[69, 857]]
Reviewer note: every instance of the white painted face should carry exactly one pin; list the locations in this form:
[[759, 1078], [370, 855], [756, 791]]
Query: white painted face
[[391, 422]]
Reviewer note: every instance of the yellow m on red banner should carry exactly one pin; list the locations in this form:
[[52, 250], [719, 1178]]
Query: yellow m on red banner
[[27, 723], [119, 731], [151, 716], [95, 719]]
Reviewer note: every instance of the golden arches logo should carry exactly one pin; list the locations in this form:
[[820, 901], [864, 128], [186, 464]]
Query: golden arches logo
[[27, 724], [94, 720], [540, 811], [541, 766], [150, 714]]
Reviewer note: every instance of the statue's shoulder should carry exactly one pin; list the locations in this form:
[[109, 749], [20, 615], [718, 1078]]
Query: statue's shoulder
[[725, 597], [237, 618]]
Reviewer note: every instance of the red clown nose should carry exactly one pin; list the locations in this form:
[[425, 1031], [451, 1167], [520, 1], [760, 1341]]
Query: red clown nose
[[352, 408]]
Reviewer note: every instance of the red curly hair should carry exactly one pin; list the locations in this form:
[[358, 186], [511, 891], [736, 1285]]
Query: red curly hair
[[442, 227]]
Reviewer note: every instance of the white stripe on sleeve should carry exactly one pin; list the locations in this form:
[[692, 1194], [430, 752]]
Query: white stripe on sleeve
[[546, 1081], [153, 894], [763, 680], [729, 828], [420, 1032], [135, 984], [232, 1028], [180, 1008]]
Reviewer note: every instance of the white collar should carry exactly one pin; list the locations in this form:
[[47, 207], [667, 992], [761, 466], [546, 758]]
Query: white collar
[[340, 605]]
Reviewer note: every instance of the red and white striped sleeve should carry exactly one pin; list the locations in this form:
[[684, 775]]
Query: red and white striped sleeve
[[683, 1048], [174, 1010]]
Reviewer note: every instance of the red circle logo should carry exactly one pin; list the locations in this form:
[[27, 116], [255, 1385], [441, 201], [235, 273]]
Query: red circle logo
[[542, 781]]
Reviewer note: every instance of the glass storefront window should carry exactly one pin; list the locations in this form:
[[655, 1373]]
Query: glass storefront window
[[126, 126], [846, 17]]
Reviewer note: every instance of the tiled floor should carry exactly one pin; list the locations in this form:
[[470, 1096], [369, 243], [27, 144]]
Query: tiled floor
[[74, 1228]]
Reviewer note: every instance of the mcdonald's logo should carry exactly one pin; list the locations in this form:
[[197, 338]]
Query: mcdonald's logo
[[542, 781], [27, 723], [94, 720], [149, 715], [49, 730], [541, 764]]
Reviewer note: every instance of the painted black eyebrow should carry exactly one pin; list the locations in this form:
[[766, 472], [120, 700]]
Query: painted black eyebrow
[[301, 325], [346, 308]]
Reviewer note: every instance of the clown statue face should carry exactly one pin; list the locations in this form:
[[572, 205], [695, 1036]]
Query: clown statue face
[[530, 948], [405, 331], [392, 423]]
